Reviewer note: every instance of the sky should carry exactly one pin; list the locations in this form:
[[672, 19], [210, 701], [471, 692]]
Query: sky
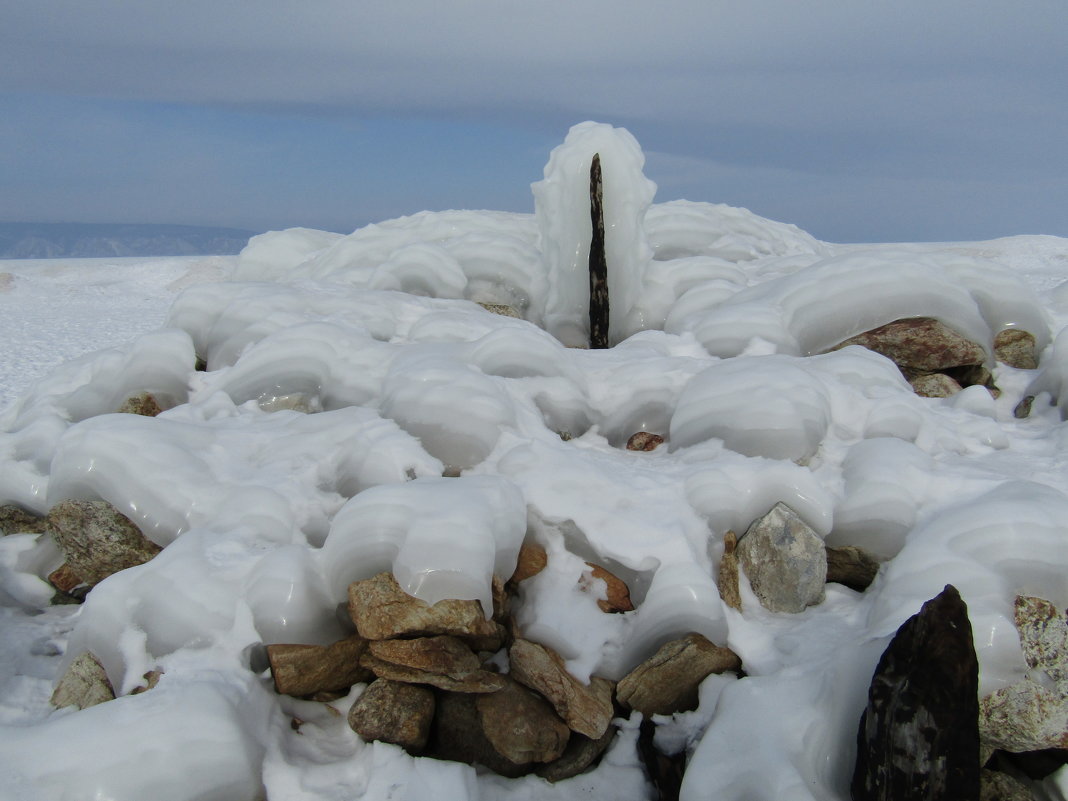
[[858, 120]]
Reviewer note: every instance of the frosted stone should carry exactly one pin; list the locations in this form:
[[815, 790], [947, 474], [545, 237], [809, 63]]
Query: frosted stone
[[562, 211]]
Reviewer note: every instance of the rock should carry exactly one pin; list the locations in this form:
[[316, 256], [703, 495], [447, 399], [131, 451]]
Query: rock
[[586, 709], [501, 309], [995, 786], [599, 307], [665, 771], [920, 345], [457, 735], [520, 725], [580, 754], [532, 560], [143, 404], [1016, 348], [502, 601], [644, 441], [919, 735], [85, 684], [728, 572], [667, 681], [151, 678], [618, 594], [394, 712], [71, 587], [382, 610], [934, 385], [1023, 408], [443, 662], [307, 669], [16, 520], [1032, 716], [785, 561], [97, 539], [851, 566]]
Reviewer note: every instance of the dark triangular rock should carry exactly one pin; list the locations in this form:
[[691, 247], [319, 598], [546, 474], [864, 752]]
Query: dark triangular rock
[[919, 736]]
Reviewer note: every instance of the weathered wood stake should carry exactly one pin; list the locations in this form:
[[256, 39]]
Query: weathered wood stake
[[598, 263]]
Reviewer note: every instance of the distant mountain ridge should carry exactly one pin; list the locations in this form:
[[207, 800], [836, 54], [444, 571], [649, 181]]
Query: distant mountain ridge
[[101, 240]]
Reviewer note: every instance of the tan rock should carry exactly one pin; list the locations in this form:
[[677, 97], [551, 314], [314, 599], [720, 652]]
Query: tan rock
[[1016, 348], [394, 712], [728, 572], [644, 441], [618, 594], [994, 786], [64, 579], [851, 567], [532, 560], [442, 661], [920, 344], [520, 725], [667, 681], [16, 520], [382, 610], [97, 539], [85, 684], [143, 404], [934, 385], [307, 669], [586, 709]]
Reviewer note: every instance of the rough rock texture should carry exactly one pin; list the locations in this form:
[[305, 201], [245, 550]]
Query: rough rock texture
[[934, 385], [394, 712], [532, 560], [785, 561], [1032, 714], [457, 735], [586, 709], [65, 580], [599, 307], [85, 684], [994, 786], [580, 754], [1016, 348], [644, 441], [728, 572], [920, 344], [443, 662], [501, 309], [667, 681], [851, 566], [97, 539], [618, 594], [143, 404], [521, 726], [381, 610], [16, 520], [919, 735], [308, 669]]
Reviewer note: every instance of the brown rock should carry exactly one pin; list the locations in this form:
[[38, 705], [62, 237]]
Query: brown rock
[[394, 712], [65, 580], [143, 404], [667, 681], [934, 385], [1016, 348], [443, 662], [151, 678], [851, 566], [995, 786], [532, 560], [85, 684], [644, 441], [306, 669], [580, 754], [920, 344], [501, 309], [16, 520], [728, 572], [520, 725], [97, 539], [382, 610], [501, 600], [586, 709], [457, 735], [1023, 408], [618, 594]]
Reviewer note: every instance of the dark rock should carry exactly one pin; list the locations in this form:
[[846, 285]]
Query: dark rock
[[580, 754], [851, 567], [785, 561], [1035, 765], [599, 309], [85, 684], [994, 786], [644, 441], [97, 540], [728, 572], [151, 678], [143, 404], [1016, 348], [16, 520], [919, 735], [394, 712], [520, 725], [457, 735], [1023, 408], [443, 662], [665, 771], [308, 669], [667, 681]]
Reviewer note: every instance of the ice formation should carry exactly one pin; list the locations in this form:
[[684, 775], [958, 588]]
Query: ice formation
[[360, 412]]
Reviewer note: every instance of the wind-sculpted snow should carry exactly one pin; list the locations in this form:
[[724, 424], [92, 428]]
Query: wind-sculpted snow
[[356, 411]]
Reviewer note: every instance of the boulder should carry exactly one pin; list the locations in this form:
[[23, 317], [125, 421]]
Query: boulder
[[934, 385], [1016, 348], [501, 309], [307, 669], [580, 754], [667, 681], [16, 520], [995, 786], [785, 561], [443, 662], [97, 539], [920, 345], [728, 572], [85, 684], [919, 735], [585, 708], [851, 567], [382, 610], [70, 587], [644, 441], [143, 404], [520, 725], [394, 712]]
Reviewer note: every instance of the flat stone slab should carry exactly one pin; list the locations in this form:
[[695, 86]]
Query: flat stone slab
[[667, 682]]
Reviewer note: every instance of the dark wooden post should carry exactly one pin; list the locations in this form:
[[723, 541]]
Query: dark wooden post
[[598, 264]]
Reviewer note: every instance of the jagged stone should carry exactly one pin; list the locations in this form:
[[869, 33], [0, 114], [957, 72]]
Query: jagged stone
[[586, 709], [995, 786], [85, 684], [97, 539], [520, 725], [443, 662], [919, 736], [143, 404], [382, 610], [785, 561], [667, 681], [1029, 716], [16, 520], [728, 572], [934, 385], [457, 735], [618, 594], [69, 584], [1016, 348], [644, 441], [580, 754], [307, 669], [851, 567], [920, 344], [531, 561], [394, 712]]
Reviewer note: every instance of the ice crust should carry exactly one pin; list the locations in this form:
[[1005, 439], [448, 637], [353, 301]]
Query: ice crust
[[360, 412]]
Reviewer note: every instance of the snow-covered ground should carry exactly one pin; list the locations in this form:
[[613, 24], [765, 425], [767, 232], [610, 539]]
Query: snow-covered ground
[[339, 368]]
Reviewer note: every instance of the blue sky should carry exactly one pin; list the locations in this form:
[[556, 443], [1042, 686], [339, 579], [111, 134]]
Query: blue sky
[[857, 120]]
